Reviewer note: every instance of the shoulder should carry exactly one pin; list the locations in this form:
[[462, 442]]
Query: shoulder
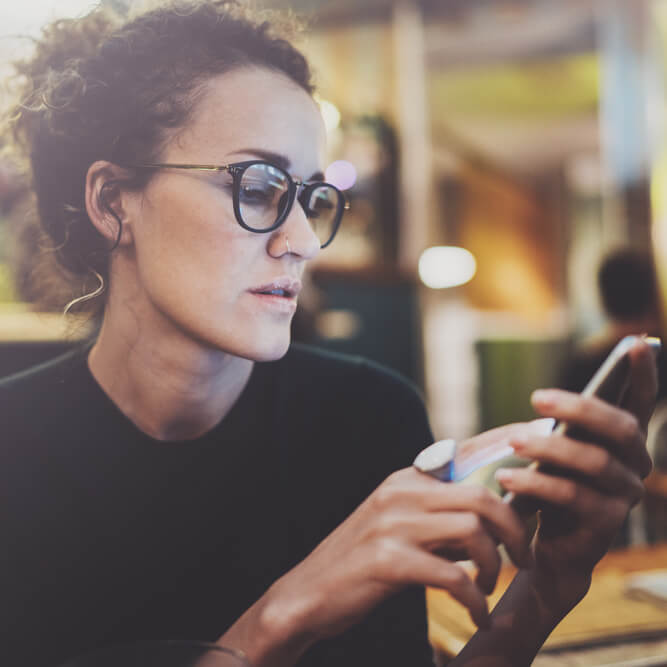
[[40, 396], [53, 372]]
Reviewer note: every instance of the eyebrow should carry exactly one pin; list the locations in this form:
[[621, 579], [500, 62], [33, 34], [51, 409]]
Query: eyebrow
[[278, 159]]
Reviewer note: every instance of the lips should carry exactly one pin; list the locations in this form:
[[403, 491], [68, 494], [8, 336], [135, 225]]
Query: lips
[[288, 288]]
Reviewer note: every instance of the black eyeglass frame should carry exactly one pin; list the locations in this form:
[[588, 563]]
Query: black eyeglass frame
[[237, 169]]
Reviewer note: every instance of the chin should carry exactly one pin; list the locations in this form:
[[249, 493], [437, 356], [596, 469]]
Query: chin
[[272, 352], [250, 340], [260, 348]]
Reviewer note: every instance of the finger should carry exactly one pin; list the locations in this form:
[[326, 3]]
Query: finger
[[493, 445], [483, 551], [500, 520], [602, 470], [643, 387], [413, 490], [466, 532], [614, 427], [456, 535], [429, 570], [492, 437], [562, 492]]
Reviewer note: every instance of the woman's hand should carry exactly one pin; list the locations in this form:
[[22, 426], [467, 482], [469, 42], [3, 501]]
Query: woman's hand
[[400, 535], [597, 479], [581, 511]]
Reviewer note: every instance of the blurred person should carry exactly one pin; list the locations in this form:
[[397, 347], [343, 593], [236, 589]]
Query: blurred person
[[628, 291], [189, 474]]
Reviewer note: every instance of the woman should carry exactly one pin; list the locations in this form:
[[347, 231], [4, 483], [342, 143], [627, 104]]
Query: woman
[[190, 475]]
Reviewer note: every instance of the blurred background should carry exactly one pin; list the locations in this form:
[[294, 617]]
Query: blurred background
[[496, 151]]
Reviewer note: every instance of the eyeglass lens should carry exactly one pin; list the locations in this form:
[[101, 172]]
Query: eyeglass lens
[[321, 205], [264, 197]]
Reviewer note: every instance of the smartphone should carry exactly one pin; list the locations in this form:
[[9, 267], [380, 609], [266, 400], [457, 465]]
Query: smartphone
[[610, 383], [611, 380]]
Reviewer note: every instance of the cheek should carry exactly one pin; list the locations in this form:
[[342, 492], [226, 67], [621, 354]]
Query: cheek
[[195, 249], [180, 227]]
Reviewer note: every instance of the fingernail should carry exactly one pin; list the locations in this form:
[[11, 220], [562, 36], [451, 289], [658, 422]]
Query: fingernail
[[543, 397], [504, 475], [518, 444]]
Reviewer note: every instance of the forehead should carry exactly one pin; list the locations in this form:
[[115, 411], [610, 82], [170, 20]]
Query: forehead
[[254, 108]]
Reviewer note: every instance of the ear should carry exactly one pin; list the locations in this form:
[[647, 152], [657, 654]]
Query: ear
[[104, 202]]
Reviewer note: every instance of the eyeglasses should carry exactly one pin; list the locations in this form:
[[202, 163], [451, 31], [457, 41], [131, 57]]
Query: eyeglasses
[[263, 196]]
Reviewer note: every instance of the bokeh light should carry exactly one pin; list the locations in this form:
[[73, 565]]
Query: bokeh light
[[446, 266], [342, 174]]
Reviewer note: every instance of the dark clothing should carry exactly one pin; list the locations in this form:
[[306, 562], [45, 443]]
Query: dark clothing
[[111, 536]]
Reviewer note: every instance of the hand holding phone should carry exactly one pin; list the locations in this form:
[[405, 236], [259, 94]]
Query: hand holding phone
[[449, 461], [610, 383]]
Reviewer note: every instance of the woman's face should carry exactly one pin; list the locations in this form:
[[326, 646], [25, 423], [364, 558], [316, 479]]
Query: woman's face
[[198, 269]]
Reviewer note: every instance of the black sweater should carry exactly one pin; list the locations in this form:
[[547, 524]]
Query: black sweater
[[109, 535]]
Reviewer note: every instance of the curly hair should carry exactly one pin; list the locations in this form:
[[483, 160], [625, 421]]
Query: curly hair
[[106, 88]]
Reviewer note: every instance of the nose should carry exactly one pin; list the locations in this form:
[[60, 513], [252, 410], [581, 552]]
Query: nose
[[295, 236]]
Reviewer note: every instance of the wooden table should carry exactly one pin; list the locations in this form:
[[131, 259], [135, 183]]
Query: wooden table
[[606, 613]]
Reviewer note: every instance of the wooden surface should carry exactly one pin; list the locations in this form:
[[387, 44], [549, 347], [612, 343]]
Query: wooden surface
[[606, 612], [656, 484]]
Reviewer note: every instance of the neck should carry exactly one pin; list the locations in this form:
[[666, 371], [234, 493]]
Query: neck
[[169, 385]]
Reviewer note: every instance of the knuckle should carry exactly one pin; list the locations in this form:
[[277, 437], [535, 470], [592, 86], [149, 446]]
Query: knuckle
[[601, 461], [483, 499], [629, 428], [569, 492], [472, 525], [582, 407], [458, 579], [397, 476], [384, 524], [384, 496], [386, 555]]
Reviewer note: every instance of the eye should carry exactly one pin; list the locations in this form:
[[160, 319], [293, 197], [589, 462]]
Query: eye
[[257, 194], [318, 204], [261, 186], [321, 206]]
